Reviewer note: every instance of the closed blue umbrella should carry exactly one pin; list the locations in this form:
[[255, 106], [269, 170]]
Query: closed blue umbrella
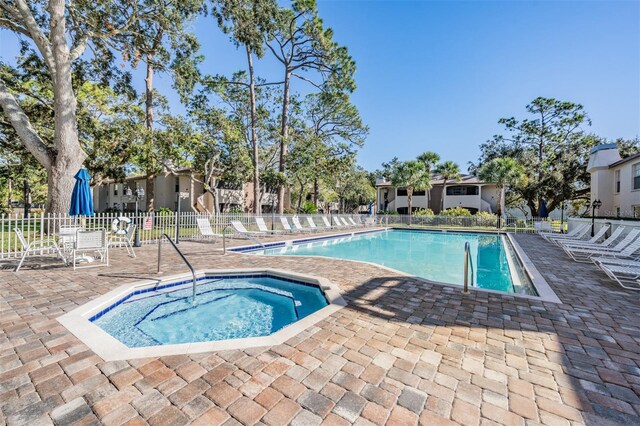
[[81, 198]]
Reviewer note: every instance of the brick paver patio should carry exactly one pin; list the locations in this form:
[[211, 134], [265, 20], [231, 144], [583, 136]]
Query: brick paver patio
[[402, 352]]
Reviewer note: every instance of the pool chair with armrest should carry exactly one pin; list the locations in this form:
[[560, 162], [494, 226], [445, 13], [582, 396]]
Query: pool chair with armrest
[[625, 248], [205, 228], [327, 223], [312, 224], [285, 224], [298, 226], [125, 239], [94, 242], [627, 276], [239, 228], [345, 223], [615, 235], [593, 240], [262, 227], [353, 222], [577, 234], [41, 247]]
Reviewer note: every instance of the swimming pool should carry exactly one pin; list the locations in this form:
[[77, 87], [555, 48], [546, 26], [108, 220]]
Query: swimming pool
[[224, 308], [434, 255]]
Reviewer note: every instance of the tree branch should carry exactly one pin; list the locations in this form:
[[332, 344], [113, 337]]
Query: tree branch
[[29, 22], [22, 126]]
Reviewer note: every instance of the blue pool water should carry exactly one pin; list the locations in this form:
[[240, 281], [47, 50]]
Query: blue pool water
[[225, 308], [436, 256]]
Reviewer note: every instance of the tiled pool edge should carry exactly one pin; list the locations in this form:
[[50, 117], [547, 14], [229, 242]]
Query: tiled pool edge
[[111, 349]]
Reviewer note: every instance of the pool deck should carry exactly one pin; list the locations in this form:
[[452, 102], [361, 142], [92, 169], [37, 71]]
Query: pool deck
[[402, 352]]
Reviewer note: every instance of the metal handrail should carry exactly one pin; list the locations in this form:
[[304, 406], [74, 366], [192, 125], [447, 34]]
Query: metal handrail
[[224, 238], [193, 272], [467, 261]]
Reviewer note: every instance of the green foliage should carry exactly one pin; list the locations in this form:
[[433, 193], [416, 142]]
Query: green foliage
[[554, 147], [309, 208], [388, 212], [502, 171], [289, 211], [163, 211], [424, 212], [456, 211]]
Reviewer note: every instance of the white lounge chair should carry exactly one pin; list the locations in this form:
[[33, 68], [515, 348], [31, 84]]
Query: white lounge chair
[[343, 222], [353, 222], [285, 224], [39, 247], [239, 227], [625, 248], [623, 274], [593, 240], [205, 228], [262, 226], [125, 239], [606, 243], [298, 226], [94, 242], [577, 234], [312, 224], [327, 223]]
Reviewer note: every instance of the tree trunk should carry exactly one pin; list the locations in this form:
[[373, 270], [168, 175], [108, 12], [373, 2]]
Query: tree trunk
[[284, 133], [300, 195], [316, 189], [67, 157], [9, 193], [26, 196], [409, 202], [444, 194], [150, 172], [69, 154], [254, 138]]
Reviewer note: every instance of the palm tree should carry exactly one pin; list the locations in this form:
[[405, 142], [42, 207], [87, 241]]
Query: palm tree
[[411, 175], [502, 171], [449, 171], [430, 159]]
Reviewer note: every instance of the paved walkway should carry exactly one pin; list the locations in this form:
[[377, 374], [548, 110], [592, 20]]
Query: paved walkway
[[402, 352]]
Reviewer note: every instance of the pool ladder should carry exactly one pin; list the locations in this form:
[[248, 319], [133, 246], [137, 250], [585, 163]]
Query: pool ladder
[[248, 237], [467, 262], [184, 259]]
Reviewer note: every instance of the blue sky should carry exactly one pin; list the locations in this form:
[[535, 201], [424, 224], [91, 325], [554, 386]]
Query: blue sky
[[437, 75]]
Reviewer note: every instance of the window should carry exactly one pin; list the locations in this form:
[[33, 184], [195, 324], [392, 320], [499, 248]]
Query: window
[[177, 184], [617, 211], [115, 189], [636, 212], [462, 190], [636, 176], [617, 181], [419, 193], [402, 192]]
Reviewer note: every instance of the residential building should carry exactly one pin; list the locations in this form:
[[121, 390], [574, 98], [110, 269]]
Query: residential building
[[615, 181], [167, 187], [468, 192]]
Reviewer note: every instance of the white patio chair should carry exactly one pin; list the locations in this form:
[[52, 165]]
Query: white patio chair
[[344, 222], [577, 234], [239, 227], [204, 226], [625, 248], [623, 274], [353, 222], [95, 242], [327, 223], [606, 243], [593, 240], [312, 224], [298, 225], [285, 224], [125, 239], [67, 235], [39, 247], [262, 226]]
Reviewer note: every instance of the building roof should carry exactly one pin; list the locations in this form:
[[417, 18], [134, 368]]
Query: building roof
[[439, 180], [603, 146], [624, 160]]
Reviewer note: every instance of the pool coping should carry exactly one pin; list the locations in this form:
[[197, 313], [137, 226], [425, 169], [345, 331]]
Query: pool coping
[[540, 284], [111, 349]]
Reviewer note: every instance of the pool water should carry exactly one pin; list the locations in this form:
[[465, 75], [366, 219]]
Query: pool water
[[434, 255], [225, 308]]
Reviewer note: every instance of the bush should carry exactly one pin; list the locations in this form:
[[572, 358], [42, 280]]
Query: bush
[[163, 211], [456, 211], [424, 212], [486, 219], [309, 208], [388, 212], [289, 211]]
